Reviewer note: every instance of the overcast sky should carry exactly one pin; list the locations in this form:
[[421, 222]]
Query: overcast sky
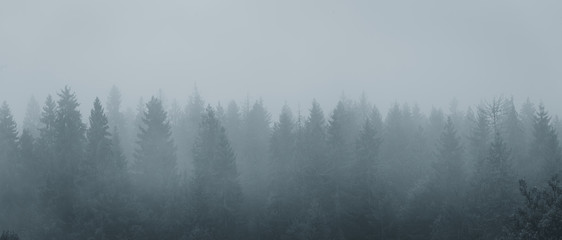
[[425, 52]]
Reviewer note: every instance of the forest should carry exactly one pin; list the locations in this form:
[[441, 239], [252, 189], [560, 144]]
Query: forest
[[198, 170]]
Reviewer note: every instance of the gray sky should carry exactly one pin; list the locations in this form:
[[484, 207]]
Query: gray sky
[[291, 51]]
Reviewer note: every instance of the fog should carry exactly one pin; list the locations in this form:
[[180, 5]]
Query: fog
[[280, 119], [283, 51]]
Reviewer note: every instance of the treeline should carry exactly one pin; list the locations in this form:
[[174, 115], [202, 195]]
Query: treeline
[[204, 172]]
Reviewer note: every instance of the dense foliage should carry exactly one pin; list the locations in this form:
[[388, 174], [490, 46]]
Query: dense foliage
[[204, 172]]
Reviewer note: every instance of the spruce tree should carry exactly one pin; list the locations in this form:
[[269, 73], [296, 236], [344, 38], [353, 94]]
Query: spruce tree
[[363, 217], [215, 188], [314, 170], [545, 148], [9, 169], [155, 165], [283, 187], [447, 186], [61, 189], [493, 192]]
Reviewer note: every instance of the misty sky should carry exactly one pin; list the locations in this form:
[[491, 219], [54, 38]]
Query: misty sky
[[283, 51]]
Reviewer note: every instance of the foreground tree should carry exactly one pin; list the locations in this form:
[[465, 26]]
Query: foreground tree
[[539, 217]]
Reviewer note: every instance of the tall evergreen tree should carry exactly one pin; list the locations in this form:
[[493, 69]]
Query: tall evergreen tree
[[338, 178], [545, 148], [282, 200], [512, 129], [189, 126], [252, 164], [9, 166], [155, 156], [448, 185], [98, 141], [216, 191], [60, 191], [116, 119], [154, 170], [493, 192], [312, 156], [363, 218]]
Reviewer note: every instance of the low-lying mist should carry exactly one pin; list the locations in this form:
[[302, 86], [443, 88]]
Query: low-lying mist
[[197, 170]]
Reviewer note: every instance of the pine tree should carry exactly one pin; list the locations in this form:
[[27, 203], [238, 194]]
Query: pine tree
[[479, 138], [362, 219], [493, 194], [188, 128], [216, 191], [9, 166], [314, 169], [98, 142], [154, 170], [448, 185], [545, 148], [282, 200], [116, 119], [233, 126], [61, 189], [512, 129], [155, 166], [339, 163], [252, 164]]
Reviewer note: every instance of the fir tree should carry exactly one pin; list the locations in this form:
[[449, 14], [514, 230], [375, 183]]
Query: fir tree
[[69, 142], [9, 166], [545, 148], [282, 201], [216, 191]]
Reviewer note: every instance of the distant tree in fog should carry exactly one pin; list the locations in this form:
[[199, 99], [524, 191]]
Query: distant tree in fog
[[216, 194]]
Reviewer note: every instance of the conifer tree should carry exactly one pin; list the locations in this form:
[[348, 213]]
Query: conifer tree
[[9, 166], [64, 137], [282, 201], [361, 220], [155, 156], [545, 148], [216, 191], [493, 192], [154, 170]]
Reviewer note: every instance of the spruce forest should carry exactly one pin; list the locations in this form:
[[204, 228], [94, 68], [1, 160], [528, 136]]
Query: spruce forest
[[199, 170]]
